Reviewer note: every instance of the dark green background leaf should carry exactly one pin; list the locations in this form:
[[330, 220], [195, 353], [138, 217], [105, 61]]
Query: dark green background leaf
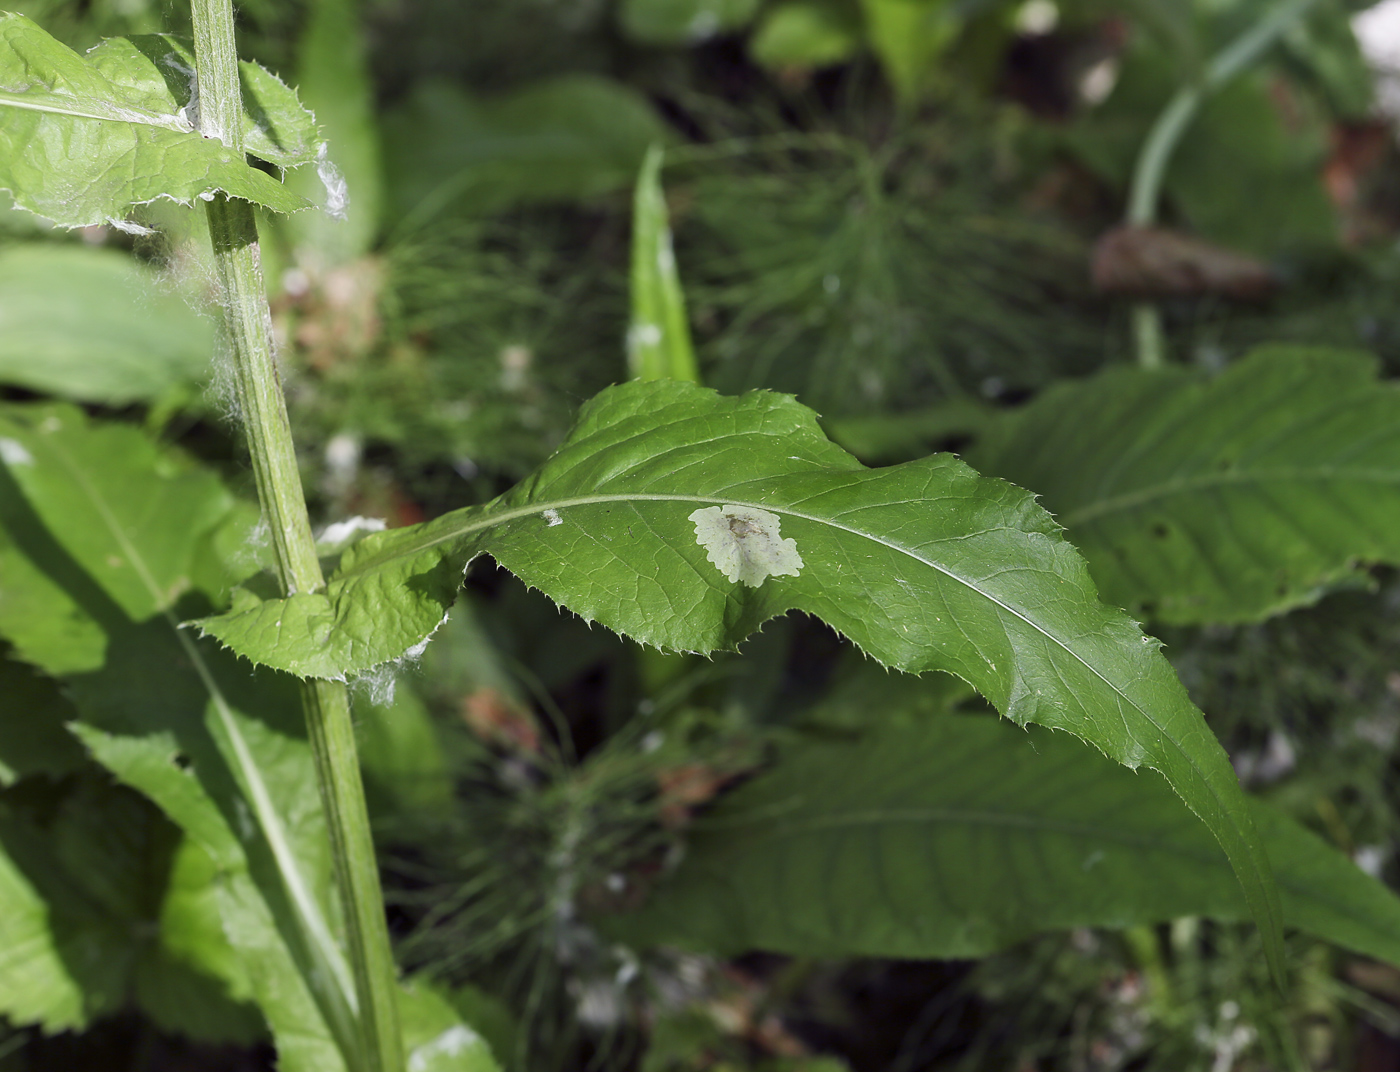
[[959, 835], [1216, 500]]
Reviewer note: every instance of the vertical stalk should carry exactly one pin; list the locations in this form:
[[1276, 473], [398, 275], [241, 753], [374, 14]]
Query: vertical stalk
[[1156, 153], [233, 231]]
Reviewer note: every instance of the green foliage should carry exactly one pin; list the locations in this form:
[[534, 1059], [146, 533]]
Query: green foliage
[[869, 280], [1247, 176], [568, 138], [83, 880], [807, 33], [658, 337], [117, 119], [32, 735], [883, 276], [909, 37], [1216, 500], [93, 325], [680, 22], [958, 836], [333, 80]]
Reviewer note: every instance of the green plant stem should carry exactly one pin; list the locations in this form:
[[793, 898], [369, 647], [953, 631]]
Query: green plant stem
[[233, 232], [1150, 171]]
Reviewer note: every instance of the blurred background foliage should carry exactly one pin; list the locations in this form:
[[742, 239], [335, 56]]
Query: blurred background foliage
[[886, 207]]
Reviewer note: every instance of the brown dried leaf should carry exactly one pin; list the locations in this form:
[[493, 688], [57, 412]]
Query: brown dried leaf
[[1154, 262]]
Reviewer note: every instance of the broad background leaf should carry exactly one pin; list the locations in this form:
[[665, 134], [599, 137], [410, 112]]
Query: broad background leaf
[[84, 138], [958, 835], [924, 566], [564, 139], [1226, 499], [96, 326]]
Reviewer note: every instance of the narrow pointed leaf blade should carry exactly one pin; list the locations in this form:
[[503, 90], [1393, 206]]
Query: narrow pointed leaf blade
[[686, 520], [658, 338], [1217, 500], [961, 836], [84, 138]]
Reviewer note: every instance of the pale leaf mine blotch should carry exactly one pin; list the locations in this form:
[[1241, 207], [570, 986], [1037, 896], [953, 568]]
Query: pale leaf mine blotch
[[744, 543]]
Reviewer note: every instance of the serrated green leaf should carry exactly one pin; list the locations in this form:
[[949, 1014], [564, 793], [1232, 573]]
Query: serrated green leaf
[[925, 566], [1216, 500], [683, 22], [960, 836], [95, 325], [84, 138], [222, 753], [658, 337]]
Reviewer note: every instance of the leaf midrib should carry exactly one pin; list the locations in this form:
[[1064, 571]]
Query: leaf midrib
[[538, 508], [85, 108]]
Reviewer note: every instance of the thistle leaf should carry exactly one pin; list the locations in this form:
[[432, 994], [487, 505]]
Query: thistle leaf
[[925, 566], [84, 138]]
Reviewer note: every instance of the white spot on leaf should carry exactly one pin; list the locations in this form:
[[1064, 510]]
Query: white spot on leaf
[[639, 335], [552, 518], [14, 453], [454, 1042], [339, 534], [744, 543]]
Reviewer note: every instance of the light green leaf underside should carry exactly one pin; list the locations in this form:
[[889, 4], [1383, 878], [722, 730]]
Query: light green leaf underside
[[102, 533], [658, 337], [69, 571], [221, 752], [925, 566], [961, 836], [1217, 500], [435, 1038], [84, 138], [95, 325]]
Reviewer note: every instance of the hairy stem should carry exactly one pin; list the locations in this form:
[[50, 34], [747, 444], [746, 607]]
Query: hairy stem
[[1156, 154], [233, 231]]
